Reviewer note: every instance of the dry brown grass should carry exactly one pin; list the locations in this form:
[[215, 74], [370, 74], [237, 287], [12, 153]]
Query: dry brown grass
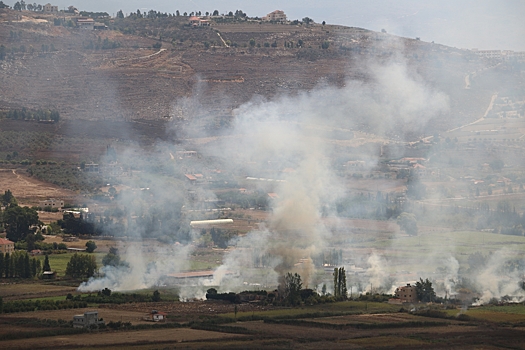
[[28, 190], [25, 290], [118, 339], [135, 317]]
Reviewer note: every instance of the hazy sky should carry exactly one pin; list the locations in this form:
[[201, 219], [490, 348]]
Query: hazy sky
[[483, 24]]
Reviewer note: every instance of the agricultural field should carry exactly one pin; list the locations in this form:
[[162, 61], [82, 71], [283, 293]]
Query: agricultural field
[[29, 190], [337, 326], [404, 252]]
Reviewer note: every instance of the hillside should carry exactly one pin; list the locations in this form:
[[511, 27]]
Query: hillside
[[208, 71]]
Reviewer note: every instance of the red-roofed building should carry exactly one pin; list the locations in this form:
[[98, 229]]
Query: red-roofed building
[[155, 316], [198, 22], [190, 177], [6, 246]]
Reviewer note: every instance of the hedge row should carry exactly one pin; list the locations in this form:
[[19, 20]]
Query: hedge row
[[29, 305]]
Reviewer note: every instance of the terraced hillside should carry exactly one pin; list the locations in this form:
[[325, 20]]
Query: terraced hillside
[[206, 72]]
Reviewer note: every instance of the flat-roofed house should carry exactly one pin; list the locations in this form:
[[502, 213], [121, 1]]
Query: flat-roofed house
[[86, 320], [407, 294], [275, 16]]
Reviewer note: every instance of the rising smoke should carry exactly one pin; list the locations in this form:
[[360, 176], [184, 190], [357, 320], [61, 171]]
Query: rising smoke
[[295, 132]]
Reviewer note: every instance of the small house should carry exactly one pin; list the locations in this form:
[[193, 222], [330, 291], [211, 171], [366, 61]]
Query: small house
[[6, 246], [275, 16], [155, 316], [49, 275], [51, 203], [86, 320], [89, 24], [406, 294], [195, 21], [48, 8]]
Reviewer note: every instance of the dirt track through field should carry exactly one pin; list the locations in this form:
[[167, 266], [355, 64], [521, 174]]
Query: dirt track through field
[[27, 190]]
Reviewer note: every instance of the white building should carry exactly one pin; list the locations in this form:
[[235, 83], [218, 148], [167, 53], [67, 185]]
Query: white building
[[48, 8], [275, 16], [51, 203], [89, 24]]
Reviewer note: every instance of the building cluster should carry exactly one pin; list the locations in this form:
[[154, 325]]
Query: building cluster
[[504, 55], [198, 22], [88, 23]]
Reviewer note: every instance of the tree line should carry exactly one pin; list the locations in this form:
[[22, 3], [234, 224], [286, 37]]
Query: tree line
[[19, 222], [19, 265], [32, 114]]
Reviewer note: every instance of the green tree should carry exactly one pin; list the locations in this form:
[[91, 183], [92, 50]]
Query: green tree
[[325, 45], [27, 266], [18, 222], [425, 291], [46, 267], [291, 288], [112, 258], [497, 164], [252, 42], [156, 296], [81, 266], [408, 223], [34, 270], [307, 20], [8, 199], [340, 289], [120, 14], [2, 263], [7, 260], [90, 246]]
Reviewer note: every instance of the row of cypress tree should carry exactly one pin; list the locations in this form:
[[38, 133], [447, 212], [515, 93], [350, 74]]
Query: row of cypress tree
[[19, 264]]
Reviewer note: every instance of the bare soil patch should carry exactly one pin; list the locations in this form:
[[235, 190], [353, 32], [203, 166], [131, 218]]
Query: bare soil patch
[[207, 307], [103, 245], [15, 291], [120, 339], [28, 190]]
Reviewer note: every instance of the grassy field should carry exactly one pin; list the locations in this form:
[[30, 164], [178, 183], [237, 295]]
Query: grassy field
[[28, 288], [58, 262], [350, 307], [514, 313], [459, 244]]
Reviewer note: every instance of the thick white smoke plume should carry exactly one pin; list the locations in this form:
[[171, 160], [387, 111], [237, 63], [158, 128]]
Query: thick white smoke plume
[[292, 132], [142, 268], [295, 132], [498, 279]]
